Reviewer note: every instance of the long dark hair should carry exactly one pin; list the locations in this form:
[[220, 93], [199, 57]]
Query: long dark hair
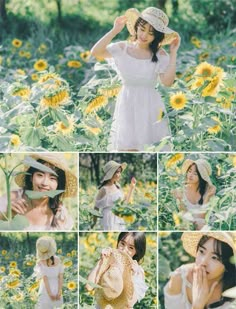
[[202, 187], [53, 203], [158, 38], [52, 260], [139, 243], [225, 254]]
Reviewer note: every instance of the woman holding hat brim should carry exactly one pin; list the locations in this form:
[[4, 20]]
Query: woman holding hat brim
[[137, 121], [109, 192], [50, 272], [202, 284], [120, 274], [195, 196], [44, 213]]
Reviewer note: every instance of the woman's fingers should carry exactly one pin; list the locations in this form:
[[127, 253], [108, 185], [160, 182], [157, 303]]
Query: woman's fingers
[[19, 206]]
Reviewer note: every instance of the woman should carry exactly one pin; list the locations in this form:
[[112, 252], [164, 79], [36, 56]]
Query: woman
[[139, 64], [194, 197], [110, 192], [49, 172], [49, 270], [120, 274], [201, 284]]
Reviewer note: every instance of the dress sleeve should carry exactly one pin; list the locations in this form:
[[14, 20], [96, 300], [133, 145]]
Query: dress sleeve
[[173, 301], [3, 204], [101, 199], [115, 49], [140, 286], [163, 61], [61, 268], [66, 217], [38, 271]]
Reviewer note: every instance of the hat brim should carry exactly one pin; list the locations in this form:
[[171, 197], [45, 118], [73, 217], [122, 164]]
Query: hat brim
[[50, 252], [55, 160], [112, 171], [132, 16], [191, 239]]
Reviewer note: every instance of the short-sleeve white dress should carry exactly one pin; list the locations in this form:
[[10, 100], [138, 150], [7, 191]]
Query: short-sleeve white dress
[[110, 221], [52, 274], [139, 105]]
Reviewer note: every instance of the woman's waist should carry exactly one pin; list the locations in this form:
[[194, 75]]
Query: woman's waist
[[138, 82]]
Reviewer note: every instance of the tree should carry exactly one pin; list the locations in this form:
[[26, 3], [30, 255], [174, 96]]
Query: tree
[[3, 12]]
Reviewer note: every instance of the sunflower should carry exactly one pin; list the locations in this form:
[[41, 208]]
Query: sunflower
[[15, 272], [33, 287], [59, 251], [16, 43], [4, 252], [176, 219], [129, 219], [96, 104], [160, 115], [178, 100], [42, 48], [15, 140], [110, 92], [55, 100], [85, 55], [68, 263], [2, 269], [196, 42], [73, 252], [34, 76], [13, 264], [65, 130], [40, 65], [21, 53], [164, 234], [71, 285], [234, 160], [93, 130], [74, 64], [13, 284], [203, 56], [178, 157], [50, 76], [28, 55], [18, 297], [24, 93], [216, 128], [205, 70]]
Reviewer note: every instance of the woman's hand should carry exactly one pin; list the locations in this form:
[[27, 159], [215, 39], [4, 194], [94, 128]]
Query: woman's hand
[[119, 24], [58, 296], [106, 252], [52, 297], [175, 44], [201, 292], [133, 182], [19, 206]]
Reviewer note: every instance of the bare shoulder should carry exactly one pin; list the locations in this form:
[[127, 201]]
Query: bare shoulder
[[174, 286], [162, 52], [57, 260]]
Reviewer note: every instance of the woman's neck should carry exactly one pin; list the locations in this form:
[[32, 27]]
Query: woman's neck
[[40, 203], [192, 187]]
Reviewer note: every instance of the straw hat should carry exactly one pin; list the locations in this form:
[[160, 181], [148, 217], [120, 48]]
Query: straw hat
[[156, 18], [203, 167], [110, 168], [46, 247], [191, 239], [58, 160], [115, 278]]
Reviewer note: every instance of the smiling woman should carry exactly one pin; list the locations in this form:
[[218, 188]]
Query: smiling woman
[[44, 183]]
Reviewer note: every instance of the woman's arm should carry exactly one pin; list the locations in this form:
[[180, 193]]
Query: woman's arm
[[45, 280], [131, 190], [178, 194], [60, 283], [168, 77], [99, 49]]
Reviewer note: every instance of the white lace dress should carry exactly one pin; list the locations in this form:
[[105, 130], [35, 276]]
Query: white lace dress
[[68, 224], [110, 221], [180, 301], [139, 105], [52, 273]]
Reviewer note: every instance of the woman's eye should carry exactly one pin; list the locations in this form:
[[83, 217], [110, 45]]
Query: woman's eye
[[215, 257], [201, 251]]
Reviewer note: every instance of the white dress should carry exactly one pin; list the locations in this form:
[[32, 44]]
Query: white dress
[[138, 104], [52, 273], [109, 221], [68, 224], [180, 301], [138, 280]]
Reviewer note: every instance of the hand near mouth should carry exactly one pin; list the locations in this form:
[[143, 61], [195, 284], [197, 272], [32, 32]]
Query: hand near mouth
[[201, 291]]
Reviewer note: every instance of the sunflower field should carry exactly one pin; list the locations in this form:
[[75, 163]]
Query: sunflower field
[[91, 245], [67, 101], [18, 285], [221, 212], [141, 212], [171, 255]]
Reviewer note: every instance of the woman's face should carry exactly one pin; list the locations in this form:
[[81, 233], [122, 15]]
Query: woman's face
[[117, 175], [127, 245], [192, 176], [43, 181], [210, 261], [145, 34]]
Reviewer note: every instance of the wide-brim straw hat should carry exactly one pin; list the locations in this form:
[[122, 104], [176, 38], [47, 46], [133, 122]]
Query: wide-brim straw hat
[[45, 247], [203, 167], [58, 160], [110, 168], [156, 18], [115, 278], [191, 239]]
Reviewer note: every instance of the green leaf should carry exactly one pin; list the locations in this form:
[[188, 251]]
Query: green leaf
[[39, 166], [34, 195], [32, 136], [164, 268], [58, 115], [18, 223], [95, 213]]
